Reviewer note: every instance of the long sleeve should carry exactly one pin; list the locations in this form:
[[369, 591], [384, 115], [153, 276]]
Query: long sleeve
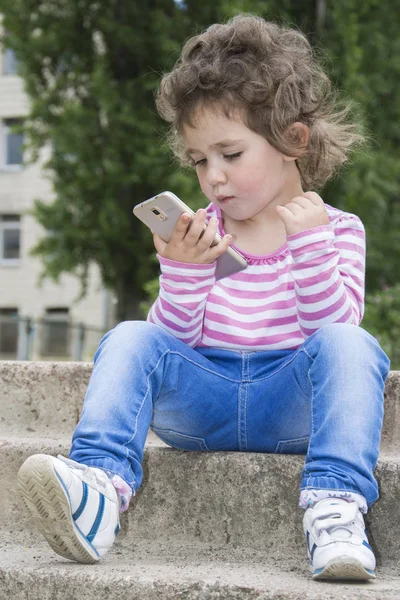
[[181, 302], [329, 273]]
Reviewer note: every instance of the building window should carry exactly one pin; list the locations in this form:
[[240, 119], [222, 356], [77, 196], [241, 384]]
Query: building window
[[55, 333], [13, 154], [8, 332], [10, 62], [10, 238]]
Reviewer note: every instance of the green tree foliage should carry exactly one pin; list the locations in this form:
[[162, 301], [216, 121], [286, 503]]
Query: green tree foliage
[[90, 70], [359, 45], [365, 63], [382, 320], [360, 49]]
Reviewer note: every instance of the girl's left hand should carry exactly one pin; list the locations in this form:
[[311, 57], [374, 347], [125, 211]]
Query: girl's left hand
[[302, 213]]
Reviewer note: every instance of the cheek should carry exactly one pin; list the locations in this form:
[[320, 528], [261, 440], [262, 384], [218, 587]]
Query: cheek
[[202, 180], [261, 175], [252, 178]]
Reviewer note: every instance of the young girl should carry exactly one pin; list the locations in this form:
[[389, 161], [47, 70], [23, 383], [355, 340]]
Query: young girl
[[270, 359]]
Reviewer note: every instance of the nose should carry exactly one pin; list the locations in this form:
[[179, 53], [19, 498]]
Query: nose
[[215, 175]]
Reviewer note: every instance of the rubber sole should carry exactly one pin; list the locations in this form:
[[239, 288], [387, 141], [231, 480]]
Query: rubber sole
[[345, 568], [48, 503]]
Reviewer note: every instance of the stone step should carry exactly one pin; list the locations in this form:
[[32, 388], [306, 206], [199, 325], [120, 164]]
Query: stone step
[[203, 526], [41, 398], [238, 500], [164, 571], [45, 399]]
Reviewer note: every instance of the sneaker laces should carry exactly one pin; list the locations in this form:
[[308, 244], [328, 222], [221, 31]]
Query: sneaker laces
[[94, 474], [338, 518]]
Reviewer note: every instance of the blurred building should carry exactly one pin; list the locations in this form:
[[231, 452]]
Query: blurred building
[[51, 308]]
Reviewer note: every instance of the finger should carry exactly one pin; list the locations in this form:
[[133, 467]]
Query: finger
[[280, 209], [222, 246], [159, 243], [283, 213], [208, 237], [313, 196], [197, 227], [300, 201], [292, 208], [181, 227]]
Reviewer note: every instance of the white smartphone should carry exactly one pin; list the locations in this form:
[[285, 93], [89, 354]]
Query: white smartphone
[[161, 213]]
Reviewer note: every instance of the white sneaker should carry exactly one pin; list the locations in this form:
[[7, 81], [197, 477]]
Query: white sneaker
[[75, 507], [337, 542]]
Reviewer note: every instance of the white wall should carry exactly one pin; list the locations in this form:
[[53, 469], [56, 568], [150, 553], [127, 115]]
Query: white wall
[[19, 186]]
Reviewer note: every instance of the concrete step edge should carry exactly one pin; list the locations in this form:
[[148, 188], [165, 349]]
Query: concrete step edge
[[190, 572], [45, 398], [233, 498]]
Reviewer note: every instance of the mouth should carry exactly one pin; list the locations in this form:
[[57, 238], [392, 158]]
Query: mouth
[[224, 199]]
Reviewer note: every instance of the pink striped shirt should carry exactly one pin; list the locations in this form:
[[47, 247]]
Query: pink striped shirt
[[316, 278]]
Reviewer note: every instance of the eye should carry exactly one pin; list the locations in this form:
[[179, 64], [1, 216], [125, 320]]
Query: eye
[[200, 162], [232, 156]]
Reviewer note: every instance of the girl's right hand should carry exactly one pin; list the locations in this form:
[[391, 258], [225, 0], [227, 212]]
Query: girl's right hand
[[189, 244]]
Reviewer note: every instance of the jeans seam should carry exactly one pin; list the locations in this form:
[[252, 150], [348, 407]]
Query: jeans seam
[[99, 464], [308, 354], [148, 387], [201, 441], [142, 403], [285, 443], [308, 455], [246, 396], [296, 350], [242, 446], [203, 368], [239, 417], [330, 489], [246, 399]]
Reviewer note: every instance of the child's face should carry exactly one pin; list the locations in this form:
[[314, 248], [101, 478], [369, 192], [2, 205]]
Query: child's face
[[237, 168]]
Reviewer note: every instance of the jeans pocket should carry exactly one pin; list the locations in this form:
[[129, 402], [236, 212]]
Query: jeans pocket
[[181, 441], [297, 446]]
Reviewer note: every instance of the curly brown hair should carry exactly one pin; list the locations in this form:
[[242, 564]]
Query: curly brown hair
[[270, 74]]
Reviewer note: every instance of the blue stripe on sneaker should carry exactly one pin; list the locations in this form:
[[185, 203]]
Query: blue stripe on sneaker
[[313, 550], [310, 550], [97, 521], [83, 503], [74, 524], [367, 545], [86, 540]]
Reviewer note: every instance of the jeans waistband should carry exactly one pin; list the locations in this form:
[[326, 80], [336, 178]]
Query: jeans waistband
[[247, 366]]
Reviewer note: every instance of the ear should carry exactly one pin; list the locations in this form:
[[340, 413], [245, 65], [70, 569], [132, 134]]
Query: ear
[[298, 133]]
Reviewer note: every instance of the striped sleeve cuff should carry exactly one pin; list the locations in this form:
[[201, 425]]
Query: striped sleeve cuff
[[186, 272], [315, 241]]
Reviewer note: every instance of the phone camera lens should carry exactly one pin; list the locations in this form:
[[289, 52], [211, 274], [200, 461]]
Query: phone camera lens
[[155, 211]]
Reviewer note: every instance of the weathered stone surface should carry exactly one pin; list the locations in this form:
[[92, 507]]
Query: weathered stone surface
[[203, 526], [39, 398], [240, 500], [162, 571], [45, 399]]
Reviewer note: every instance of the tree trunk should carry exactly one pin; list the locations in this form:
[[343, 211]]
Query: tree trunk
[[128, 301], [320, 15]]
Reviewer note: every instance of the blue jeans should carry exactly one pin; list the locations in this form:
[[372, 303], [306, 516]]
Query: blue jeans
[[323, 399]]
